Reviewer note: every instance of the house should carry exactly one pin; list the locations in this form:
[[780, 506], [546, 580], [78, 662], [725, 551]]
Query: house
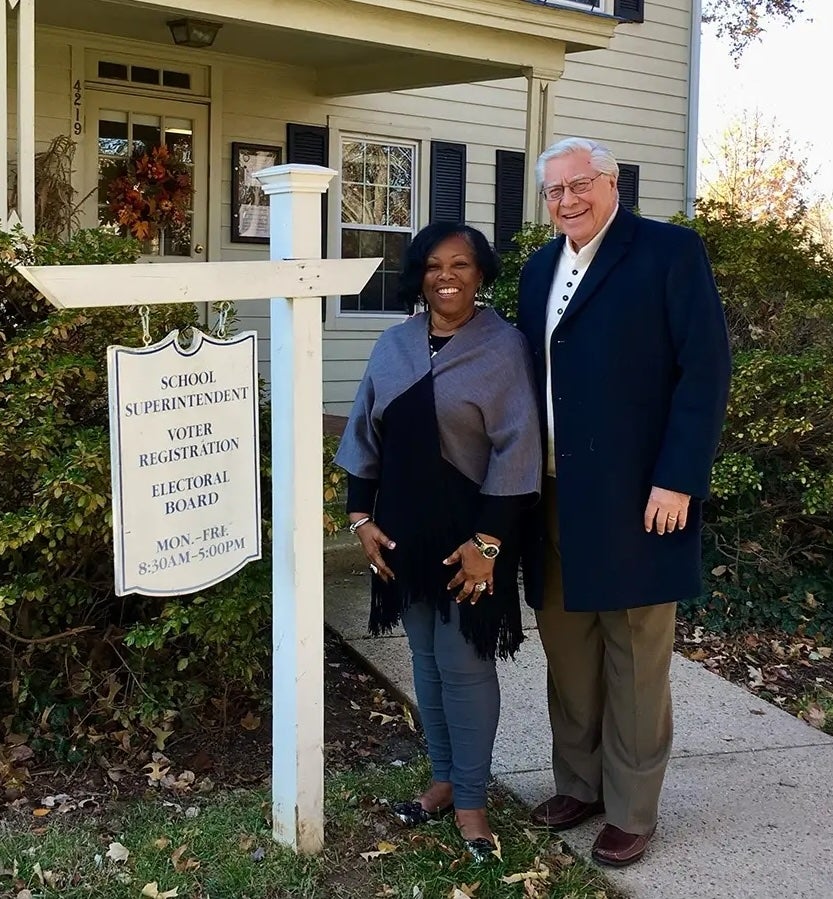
[[426, 108]]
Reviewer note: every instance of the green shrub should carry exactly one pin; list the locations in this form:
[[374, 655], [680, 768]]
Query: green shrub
[[75, 658]]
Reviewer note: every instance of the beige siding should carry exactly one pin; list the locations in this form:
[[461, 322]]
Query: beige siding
[[634, 96]]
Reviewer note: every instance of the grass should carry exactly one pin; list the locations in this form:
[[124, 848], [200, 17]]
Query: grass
[[231, 831]]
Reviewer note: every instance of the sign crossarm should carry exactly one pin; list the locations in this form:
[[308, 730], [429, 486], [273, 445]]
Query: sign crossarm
[[99, 286]]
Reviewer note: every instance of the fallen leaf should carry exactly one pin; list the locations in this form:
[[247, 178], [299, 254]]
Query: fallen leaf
[[151, 891], [21, 753], [814, 715], [543, 874], [466, 891], [41, 812], [355, 705], [383, 848], [246, 842], [250, 721], [24, 894], [720, 570], [383, 718], [409, 718], [498, 853], [157, 771], [117, 852], [161, 736], [180, 864], [162, 843], [756, 676]]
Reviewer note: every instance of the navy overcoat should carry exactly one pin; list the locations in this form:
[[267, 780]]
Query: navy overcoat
[[640, 381]]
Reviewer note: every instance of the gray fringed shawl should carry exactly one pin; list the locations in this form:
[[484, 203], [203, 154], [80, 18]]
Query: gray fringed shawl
[[443, 437], [484, 396]]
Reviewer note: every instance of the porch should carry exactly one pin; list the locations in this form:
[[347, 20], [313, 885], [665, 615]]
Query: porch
[[340, 48]]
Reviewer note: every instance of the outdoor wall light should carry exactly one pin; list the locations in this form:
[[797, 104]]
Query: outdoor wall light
[[194, 32]]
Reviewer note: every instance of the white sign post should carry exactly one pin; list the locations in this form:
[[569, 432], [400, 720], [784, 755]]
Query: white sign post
[[297, 549]]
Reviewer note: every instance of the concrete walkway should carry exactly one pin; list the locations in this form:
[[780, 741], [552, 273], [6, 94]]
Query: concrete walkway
[[747, 810]]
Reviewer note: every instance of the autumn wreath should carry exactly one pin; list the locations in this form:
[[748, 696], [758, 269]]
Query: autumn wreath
[[149, 192]]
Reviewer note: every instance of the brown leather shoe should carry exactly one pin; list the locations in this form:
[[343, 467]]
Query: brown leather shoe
[[564, 812], [616, 848]]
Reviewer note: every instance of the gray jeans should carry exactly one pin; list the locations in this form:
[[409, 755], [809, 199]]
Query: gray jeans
[[459, 702]]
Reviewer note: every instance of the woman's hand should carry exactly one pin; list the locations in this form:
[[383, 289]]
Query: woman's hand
[[475, 569], [372, 540]]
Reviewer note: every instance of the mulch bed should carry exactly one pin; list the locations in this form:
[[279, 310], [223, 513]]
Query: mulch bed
[[362, 723], [791, 671]]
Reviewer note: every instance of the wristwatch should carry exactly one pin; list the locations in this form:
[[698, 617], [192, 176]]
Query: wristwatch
[[487, 550]]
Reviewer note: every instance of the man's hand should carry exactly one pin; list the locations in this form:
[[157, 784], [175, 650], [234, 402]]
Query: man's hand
[[668, 509]]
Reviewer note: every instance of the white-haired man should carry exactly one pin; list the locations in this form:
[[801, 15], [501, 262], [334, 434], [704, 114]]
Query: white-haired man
[[632, 364]]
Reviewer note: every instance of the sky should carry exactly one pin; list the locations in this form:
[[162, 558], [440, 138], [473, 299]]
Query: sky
[[788, 75]]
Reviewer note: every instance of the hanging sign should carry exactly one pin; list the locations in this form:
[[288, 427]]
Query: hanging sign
[[185, 462]]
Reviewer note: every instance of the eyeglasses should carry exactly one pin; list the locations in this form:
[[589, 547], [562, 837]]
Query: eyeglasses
[[580, 186]]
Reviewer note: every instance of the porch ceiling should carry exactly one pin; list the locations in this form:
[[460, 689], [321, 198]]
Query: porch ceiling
[[362, 46]]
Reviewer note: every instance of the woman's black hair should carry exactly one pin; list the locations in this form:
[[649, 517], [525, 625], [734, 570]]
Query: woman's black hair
[[424, 243]]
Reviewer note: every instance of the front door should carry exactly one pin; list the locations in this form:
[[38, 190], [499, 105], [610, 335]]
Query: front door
[[121, 126]]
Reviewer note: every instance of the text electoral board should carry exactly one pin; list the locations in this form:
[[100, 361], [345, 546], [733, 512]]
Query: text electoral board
[[185, 460]]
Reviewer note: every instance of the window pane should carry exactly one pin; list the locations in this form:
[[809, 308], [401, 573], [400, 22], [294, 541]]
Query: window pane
[[399, 211], [176, 79], [370, 299], [371, 243], [350, 243], [375, 211], [112, 70], [400, 166], [395, 245], [351, 203], [112, 133], [144, 75], [391, 300], [179, 138], [147, 133], [376, 164], [177, 241]]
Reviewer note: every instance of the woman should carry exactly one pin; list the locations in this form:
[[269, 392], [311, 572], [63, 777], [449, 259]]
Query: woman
[[442, 450]]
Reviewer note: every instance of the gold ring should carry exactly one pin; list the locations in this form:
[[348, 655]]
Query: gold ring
[[480, 587]]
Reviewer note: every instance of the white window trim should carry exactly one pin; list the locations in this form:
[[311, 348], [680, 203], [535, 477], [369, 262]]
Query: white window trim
[[605, 7], [382, 131]]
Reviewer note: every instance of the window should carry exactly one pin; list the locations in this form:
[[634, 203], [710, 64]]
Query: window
[[377, 215], [122, 134]]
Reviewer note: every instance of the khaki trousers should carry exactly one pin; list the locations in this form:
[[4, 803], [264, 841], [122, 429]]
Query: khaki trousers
[[609, 697]]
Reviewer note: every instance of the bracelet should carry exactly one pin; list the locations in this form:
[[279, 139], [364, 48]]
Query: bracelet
[[354, 526]]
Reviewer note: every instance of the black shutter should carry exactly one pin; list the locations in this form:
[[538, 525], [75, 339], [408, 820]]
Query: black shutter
[[629, 10], [448, 182], [310, 145], [509, 197], [629, 186]]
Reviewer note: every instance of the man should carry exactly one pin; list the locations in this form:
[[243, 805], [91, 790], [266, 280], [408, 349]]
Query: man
[[632, 365]]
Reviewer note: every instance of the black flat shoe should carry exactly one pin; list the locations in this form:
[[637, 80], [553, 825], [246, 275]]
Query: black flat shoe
[[481, 849], [412, 814]]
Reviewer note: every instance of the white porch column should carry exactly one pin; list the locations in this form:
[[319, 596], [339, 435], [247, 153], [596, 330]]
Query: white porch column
[[4, 119], [540, 125], [297, 542], [26, 113]]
